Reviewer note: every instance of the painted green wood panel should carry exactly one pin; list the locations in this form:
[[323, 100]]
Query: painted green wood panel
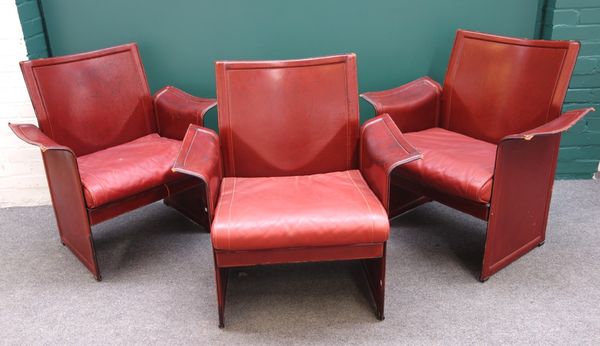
[[396, 40]]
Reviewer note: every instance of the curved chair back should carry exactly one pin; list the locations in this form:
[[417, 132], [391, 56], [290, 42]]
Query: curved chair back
[[496, 86], [295, 117], [91, 101]]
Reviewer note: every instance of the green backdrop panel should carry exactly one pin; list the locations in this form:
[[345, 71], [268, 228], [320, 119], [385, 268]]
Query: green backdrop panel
[[395, 40]]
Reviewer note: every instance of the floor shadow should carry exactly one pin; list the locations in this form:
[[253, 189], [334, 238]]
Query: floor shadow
[[261, 295], [455, 234], [142, 236]]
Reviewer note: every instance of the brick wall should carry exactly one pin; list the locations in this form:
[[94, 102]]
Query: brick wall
[[579, 20], [22, 179], [33, 29]]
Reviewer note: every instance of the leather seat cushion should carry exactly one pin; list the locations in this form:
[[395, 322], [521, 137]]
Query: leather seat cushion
[[452, 163], [124, 170], [298, 211]]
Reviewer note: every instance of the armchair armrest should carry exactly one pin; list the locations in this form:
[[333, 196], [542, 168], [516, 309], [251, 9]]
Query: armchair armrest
[[175, 110], [382, 149], [64, 182], [33, 135], [413, 106], [200, 156], [558, 125]]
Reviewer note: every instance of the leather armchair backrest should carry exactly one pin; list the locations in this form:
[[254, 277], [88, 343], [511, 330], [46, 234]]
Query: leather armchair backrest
[[496, 86], [294, 117], [91, 101]]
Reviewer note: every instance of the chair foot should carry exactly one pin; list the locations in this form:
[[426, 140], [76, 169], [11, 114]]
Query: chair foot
[[98, 277], [541, 243], [221, 276], [483, 279], [221, 294]]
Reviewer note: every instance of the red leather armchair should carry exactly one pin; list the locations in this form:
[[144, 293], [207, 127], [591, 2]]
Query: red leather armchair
[[296, 180], [107, 144], [489, 137]]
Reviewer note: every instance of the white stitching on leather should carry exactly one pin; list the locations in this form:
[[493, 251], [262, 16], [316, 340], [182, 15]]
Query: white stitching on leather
[[366, 202], [229, 216], [189, 150]]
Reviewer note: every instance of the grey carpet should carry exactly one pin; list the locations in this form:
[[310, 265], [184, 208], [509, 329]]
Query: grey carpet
[[158, 285]]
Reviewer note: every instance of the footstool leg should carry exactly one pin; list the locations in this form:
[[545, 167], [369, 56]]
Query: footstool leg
[[221, 276]]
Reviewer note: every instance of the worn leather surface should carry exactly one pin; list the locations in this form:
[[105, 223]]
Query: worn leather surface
[[242, 258], [200, 156], [335, 208], [91, 101], [289, 132], [525, 162], [88, 106], [112, 174], [31, 134], [60, 164], [501, 91], [452, 163], [287, 118], [414, 106], [175, 110], [496, 86], [383, 149], [165, 191], [558, 125]]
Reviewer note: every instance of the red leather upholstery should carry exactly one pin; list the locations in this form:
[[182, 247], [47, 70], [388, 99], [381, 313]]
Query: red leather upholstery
[[33, 135], [381, 144], [200, 156], [97, 134], [289, 134], [176, 110], [270, 113], [492, 144], [556, 126], [285, 212], [496, 86], [124, 170], [414, 106], [83, 107], [452, 163]]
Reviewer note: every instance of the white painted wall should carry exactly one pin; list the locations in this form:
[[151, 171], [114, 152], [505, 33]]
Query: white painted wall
[[22, 178]]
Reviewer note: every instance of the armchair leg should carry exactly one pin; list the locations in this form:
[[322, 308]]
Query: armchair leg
[[505, 245], [71, 213], [374, 269], [221, 277], [81, 245], [512, 234], [192, 204], [521, 194]]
